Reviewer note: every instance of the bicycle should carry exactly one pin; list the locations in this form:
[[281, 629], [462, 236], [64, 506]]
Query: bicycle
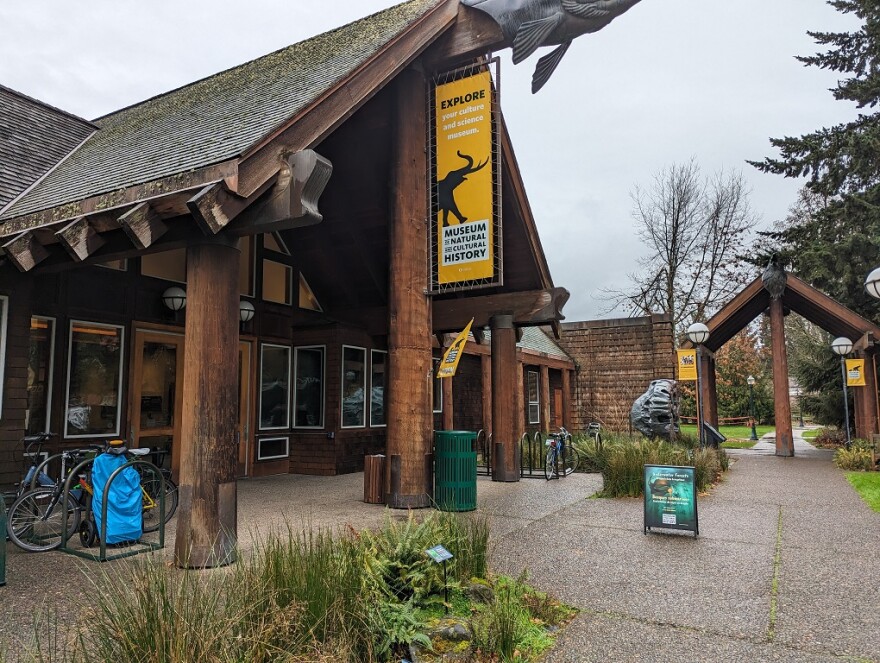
[[560, 452]]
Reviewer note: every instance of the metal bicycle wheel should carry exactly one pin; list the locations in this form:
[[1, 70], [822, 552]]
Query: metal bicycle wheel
[[151, 486], [34, 522], [550, 468], [570, 459]]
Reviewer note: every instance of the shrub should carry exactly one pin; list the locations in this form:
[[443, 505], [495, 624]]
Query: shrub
[[855, 459], [830, 438]]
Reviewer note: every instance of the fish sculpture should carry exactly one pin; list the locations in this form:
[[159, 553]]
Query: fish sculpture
[[530, 24]]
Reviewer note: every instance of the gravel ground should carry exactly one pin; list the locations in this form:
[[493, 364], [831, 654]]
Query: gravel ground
[[643, 598]]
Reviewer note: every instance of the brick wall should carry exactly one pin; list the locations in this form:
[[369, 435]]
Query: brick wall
[[616, 359]]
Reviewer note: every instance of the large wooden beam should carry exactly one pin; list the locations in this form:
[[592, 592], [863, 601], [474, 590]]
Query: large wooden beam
[[506, 383], [410, 420], [533, 307], [143, 225], [865, 400], [475, 33], [781, 402], [206, 524], [25, 251]]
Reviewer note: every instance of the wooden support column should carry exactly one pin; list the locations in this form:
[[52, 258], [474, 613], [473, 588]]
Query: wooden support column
[[448, 404], [486, 366], [865, 399], [566, 399], [206, 524], [506, 383], [545, 398], [781, 402], [710, 390], [410, 422]]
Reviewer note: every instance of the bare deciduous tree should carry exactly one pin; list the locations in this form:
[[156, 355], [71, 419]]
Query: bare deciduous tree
[[694, 228]]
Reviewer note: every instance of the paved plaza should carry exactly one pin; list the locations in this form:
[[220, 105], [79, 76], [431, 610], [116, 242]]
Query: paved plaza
[[660, 597]]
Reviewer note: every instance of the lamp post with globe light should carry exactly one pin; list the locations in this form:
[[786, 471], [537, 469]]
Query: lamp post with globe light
[[842, 346], [698, 333], [751, 381]]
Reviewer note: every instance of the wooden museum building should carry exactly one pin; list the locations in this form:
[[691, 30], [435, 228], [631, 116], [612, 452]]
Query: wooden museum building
[[259, 270]]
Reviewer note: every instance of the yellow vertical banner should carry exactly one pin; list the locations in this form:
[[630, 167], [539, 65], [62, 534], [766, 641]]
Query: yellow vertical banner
[[449, 363], [687, 365], [465, 194], [855, 372]]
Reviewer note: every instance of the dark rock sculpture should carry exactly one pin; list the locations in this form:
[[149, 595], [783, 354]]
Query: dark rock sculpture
[[530, 24], [655, 413]]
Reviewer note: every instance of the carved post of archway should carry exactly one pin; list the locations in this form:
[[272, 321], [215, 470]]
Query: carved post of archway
[[781, 402], [410, 418], [710, 390], [206, 524], [865, 399], [506, 378]]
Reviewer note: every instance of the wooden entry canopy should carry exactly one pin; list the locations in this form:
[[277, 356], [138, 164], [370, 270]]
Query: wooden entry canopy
[[240, 153], [820, 309]]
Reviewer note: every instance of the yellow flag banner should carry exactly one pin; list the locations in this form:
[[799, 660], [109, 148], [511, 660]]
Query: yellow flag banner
[[449, 363], [855, 372], [464, 190], [687, 365]]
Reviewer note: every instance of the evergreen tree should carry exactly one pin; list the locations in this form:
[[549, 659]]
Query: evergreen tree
[[834, 246]]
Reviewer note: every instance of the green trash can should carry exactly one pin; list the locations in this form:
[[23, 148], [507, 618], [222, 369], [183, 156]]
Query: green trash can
[[455, 470]]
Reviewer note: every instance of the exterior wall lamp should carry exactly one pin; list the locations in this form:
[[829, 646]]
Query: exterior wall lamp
[[698, 333], [245, 311], [174, 298], [872, 283]]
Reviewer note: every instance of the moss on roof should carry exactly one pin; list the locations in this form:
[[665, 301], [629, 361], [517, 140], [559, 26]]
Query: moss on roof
[[216, 118]]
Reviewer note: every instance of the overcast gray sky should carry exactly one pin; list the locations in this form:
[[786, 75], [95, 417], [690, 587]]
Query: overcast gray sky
[[670, 80]]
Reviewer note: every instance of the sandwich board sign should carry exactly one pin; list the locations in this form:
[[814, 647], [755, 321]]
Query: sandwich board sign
[[670, 498]]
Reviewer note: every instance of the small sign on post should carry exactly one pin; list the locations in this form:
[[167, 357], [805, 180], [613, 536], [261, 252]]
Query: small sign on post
[[670, 498], [440, 554]]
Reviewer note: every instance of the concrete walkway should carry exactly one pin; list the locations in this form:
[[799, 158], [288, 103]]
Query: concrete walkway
[[783, 532], [794, 524]]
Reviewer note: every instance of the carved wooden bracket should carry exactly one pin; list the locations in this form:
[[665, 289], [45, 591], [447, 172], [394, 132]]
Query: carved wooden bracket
[[25, 252], [80, 239], [142, 225]]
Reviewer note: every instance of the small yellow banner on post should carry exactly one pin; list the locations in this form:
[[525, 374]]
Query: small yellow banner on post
[[855, 372], [687, 365], [449, 363]]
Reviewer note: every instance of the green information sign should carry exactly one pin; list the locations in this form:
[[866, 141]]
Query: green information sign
[[671, 498]]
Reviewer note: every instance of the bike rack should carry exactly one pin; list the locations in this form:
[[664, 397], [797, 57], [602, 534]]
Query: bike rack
[[137, 547], [484, 450], [530, 451]]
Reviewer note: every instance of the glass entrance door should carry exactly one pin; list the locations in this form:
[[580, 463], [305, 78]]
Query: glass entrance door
[[157, 394]]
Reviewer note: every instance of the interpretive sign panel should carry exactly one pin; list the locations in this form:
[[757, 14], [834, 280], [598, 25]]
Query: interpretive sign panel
[[855, 372], [464, 171], [687, 365], [670, 498]]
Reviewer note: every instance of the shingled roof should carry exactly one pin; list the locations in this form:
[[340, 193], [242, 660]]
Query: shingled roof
[[217, 118], [34, 137]]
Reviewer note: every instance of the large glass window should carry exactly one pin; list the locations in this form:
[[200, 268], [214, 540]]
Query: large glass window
[[41, 358], [378, 369], [4, 305], [270, 448], [309, 387], [354, 377], [276, 282], [94, 380], [534, 399], [275, 387], [168, 265], [307, 298]]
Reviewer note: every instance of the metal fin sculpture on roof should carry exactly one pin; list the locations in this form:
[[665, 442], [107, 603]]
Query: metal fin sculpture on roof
[[530, 24]]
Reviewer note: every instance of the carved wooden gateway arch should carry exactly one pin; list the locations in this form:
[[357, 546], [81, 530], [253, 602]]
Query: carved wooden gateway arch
[[777, 293]]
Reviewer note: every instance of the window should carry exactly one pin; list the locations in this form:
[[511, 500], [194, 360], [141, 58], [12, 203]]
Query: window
[[437, 388], [274, 386], [269, 448], [246, 266], [354, 377], [309, 387], [94, 380], [277, 276], [168, 265], [120, 265], [378, 368], [4, 306], [534, 401], [41, 361], [307, 298]]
